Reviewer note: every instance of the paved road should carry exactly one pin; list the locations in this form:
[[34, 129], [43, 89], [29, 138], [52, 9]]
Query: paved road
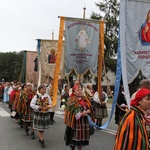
[[14, 138]]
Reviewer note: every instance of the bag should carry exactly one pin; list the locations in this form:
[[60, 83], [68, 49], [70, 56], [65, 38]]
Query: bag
[[92, 130], [13, 114]]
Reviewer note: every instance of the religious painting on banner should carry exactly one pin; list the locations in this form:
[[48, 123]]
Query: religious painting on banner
[[48, 59], [135, 37], [81, 46], [31, 67]]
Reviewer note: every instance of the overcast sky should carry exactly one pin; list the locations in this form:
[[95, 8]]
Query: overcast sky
[[24, 21]]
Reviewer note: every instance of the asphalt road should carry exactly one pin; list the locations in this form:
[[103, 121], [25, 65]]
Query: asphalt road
[[12, 137]]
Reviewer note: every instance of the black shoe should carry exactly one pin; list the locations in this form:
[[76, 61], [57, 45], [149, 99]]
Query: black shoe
[[100, 124], [32, 135], [53, 121], [72, 147], [42, 144], [27, 131]]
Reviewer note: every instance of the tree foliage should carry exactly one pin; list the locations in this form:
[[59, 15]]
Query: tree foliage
[[109, 12], [10, 64]]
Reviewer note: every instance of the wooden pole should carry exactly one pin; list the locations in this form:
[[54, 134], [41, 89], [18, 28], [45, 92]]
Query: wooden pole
[[100, 58]]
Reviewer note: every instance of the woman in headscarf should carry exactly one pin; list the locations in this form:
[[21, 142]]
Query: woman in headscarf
[[132, 134], [27, 112], [77, 131]]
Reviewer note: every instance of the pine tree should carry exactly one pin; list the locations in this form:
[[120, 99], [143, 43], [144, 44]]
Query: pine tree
[[109, 12]]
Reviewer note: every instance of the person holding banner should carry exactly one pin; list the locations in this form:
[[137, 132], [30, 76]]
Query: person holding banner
[[41, 103], [49, 91], [100, 107], [131, 133], [77, 132]]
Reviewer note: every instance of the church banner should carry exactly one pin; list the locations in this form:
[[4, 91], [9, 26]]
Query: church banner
[[48, 59], [135, 38], [81, 45], [31, 67]]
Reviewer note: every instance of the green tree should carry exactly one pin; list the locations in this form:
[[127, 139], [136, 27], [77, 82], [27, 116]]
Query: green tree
[[10, 64], [109, 12]]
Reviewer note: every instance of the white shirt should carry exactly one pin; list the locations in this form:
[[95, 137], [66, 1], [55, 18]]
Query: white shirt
[[10, 90], [34, 100], [96, 97]]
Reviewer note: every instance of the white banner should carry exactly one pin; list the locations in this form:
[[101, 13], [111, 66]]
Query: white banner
[[135, 38]]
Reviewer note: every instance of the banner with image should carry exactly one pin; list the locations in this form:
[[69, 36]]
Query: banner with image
[[48, 59], [81, 46], [135, 37]]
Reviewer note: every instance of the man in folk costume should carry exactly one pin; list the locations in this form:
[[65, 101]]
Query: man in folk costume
[[27, 111], [76, 111], [131, 133]]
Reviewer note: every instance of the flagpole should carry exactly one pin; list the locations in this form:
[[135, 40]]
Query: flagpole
[[100, 58], [52, 34], [84, 9]]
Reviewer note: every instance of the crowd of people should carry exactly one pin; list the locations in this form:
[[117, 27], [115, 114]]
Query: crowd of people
[[30, 106], [32, 109]]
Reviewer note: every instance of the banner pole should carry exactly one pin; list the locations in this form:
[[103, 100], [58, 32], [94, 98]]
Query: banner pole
[[58, 60], [100, 57]]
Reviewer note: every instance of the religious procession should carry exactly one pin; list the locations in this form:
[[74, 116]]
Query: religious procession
[[73, 94], [32, 109]]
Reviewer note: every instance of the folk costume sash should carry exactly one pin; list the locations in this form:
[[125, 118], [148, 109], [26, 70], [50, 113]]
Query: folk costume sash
[[69, 117], [26, 96], [132, 133]]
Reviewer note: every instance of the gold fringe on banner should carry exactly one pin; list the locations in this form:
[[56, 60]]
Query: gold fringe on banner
[[101, 56], [58, 60]]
